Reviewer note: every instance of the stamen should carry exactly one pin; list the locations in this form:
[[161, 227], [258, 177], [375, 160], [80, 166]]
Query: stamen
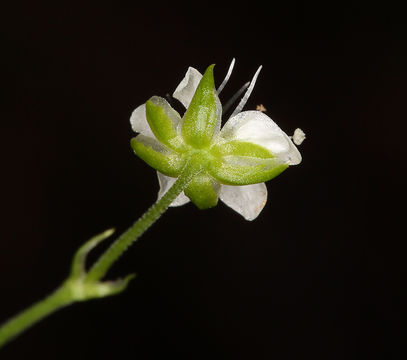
[[226, 79], [169, 98], [175, 103], [234, 97], [247, 94], [298, 136]]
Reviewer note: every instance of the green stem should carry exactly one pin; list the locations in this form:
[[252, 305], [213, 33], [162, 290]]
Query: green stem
[[34, 314], [110, 256], [80, 288]]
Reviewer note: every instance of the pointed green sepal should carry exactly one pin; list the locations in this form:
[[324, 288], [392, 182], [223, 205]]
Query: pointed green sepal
[[163, 121], [203, 191], [202, 117], [238, 170], [240, 148], [157, 155]]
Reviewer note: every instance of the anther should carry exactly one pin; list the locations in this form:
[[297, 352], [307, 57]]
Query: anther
[[298, 136]]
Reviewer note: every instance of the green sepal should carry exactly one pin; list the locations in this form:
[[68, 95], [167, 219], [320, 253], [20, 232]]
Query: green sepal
[[201, 118], [240, 148], [236, 170], [163, 121], [157, 156], [203, 191]]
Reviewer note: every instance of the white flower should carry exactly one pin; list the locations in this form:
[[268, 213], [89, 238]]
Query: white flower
[[247, 127]]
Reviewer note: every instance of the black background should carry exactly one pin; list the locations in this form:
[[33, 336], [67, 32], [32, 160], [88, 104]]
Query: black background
[[317, 275]]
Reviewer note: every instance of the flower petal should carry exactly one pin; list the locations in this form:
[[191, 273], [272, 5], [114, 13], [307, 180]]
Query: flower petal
[[165, 183], [258, 128], [247, 200], [186, 88], [138, 121]]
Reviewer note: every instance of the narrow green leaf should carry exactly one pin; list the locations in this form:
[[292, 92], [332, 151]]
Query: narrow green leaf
[[108, 288], [78, 262]]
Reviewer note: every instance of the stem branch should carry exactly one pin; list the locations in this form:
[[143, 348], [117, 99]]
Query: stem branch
[[81, 286], [104, 263]]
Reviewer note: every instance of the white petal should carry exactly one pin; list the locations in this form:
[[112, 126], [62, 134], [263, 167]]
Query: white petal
[[293, 156], [165, 183], [248, 200], [138, 121], [186, 88], [256, 127]]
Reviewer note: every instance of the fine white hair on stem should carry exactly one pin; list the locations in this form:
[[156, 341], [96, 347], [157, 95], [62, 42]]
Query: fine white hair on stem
[[227, 77], [242, 102]]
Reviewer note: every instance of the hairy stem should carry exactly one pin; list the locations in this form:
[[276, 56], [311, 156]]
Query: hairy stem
[[104, 263], [36, 312], [87, 286]]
